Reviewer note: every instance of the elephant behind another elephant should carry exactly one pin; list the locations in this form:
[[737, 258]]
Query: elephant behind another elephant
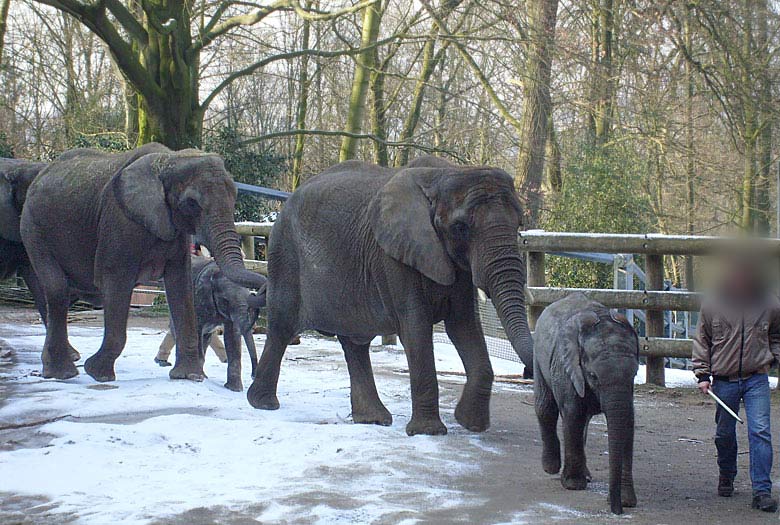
[[585, 360], [411, 246], [95, 224]]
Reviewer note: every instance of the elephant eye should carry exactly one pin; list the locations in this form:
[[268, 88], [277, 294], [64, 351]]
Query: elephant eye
[[459, 231], [189, 206]]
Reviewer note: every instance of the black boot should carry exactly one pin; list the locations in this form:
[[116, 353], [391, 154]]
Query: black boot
[[725, 486], [765, 502]]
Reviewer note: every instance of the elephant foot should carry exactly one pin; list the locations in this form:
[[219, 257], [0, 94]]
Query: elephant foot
[[235, 385], [162, 362], [429, 427], [74, 354], [188, 370], [551, 461], [59, 370], [628, 496], [574, 482], [377, 416], [100, 368], [261, 398], [473, 416]]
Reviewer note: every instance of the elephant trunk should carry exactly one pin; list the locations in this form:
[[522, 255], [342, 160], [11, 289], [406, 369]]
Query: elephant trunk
[[500, 270], [226, 249], [618, 408]]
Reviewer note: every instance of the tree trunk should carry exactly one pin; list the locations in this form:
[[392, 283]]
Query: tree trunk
[[602, 77], [766, 122], [690, 153], [303, 102], [5, 5], [537, 108], [379, 115], [363, 65]]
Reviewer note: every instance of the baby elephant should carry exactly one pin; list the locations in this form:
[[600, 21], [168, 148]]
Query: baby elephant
[[220, 301], [585, 360]]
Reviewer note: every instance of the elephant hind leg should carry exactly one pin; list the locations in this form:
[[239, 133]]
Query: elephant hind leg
[[233, 350], [366, 405], [547, 414]]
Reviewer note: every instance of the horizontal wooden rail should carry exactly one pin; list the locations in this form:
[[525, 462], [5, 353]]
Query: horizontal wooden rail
[[632, 299], [663, 347], [655, 244], [260, 229]]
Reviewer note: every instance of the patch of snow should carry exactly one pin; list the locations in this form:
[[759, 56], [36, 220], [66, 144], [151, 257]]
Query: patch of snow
[[145, 447]]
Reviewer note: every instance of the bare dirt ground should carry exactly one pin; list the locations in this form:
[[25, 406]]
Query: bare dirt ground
[[674, 467]]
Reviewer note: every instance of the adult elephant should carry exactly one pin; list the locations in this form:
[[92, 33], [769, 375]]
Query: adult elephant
[[411, 246], [95, 224]]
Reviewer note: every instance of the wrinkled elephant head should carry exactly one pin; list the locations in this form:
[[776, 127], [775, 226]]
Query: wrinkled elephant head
[[602, 353], [439, 218], [186, 191]]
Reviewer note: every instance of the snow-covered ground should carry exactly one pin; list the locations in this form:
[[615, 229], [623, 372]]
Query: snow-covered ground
[[146, 449], [145, 446]]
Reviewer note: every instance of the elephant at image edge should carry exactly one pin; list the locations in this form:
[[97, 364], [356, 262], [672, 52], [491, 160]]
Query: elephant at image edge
[[585, 360], [413, 245], [16, 175], [96, 224]]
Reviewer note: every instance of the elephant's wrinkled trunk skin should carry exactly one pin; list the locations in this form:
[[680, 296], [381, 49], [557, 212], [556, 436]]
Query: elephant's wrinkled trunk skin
[[226, 249], [619, 410], [499, 269]]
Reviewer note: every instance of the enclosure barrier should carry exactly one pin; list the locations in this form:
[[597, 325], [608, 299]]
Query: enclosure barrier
[[654, 300]]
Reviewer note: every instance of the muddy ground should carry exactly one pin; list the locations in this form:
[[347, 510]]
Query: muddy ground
[[674, 467]]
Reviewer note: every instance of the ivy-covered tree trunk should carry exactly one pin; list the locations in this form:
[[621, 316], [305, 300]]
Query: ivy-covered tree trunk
[[603, 79], [303, 103], [363, 66]]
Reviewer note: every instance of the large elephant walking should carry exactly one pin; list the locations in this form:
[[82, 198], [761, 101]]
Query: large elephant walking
[[95, 224], [362, 250]]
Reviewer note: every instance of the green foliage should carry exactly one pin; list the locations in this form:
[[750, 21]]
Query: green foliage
[[6, 148], [602, 192], [250, 165], [110, 142]]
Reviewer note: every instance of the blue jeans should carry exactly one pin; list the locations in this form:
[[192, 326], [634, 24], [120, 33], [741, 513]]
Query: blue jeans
[[754, 391]]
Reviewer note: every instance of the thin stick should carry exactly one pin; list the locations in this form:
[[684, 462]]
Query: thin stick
[[726, 408]]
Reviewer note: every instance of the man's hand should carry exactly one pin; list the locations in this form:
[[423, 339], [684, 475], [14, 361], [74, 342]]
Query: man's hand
[[704, 387]]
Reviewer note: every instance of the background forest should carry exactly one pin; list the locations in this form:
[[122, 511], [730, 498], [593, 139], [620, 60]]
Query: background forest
[[623, 116]]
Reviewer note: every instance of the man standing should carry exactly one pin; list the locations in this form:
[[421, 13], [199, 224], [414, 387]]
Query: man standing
[[737, 342]]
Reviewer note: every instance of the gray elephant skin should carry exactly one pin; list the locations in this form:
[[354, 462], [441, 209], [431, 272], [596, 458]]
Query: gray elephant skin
[[361, 250], [585, 360], [16, 175], [221, 302], [95, 224]]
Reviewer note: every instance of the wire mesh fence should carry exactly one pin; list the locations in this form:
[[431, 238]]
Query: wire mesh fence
[[497, 343]]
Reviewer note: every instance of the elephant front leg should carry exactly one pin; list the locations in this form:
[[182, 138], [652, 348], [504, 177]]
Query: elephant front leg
[[366, 406], [178, 290], [417, 340], [547, 414], [233, 351], [574, 475], [463, 328], [117, 291]]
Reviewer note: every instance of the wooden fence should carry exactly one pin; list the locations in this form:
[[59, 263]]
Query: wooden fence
[[654, 300]]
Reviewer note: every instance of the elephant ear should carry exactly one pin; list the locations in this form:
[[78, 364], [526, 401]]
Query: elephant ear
[[401, 219], [571, 349], [141, 195], [9, 216]]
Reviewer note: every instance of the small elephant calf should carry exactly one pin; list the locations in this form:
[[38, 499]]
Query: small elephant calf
[[585, 360], [220, 301]]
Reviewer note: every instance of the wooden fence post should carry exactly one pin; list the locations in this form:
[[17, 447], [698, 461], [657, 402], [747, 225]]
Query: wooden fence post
[[248, 245], [654, 326], [535, 278]]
